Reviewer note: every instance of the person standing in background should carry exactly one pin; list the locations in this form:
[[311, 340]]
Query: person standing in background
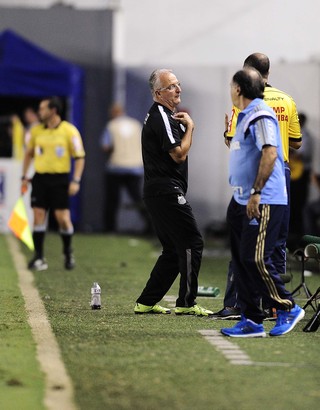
[[17, 138], [300, 166], [30, 118], [312, 208], [52, 145], [18, 132], [121, 141]]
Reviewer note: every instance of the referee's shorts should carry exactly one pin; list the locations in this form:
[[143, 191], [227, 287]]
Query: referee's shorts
[[50, 191]]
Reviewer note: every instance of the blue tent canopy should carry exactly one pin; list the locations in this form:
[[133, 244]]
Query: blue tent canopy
[[27, 70]]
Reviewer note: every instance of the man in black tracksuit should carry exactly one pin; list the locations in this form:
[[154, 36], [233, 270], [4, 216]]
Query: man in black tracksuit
[[166, 140]]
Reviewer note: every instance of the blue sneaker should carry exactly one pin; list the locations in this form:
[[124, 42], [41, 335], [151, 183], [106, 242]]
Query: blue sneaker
[[245, 328], [286, 320]]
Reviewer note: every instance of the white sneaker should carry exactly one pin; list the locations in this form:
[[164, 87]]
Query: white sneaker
[[38, 264]]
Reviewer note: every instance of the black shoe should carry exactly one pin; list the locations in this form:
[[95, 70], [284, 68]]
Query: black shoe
[[227, 313], [270, 314], [69, 261]]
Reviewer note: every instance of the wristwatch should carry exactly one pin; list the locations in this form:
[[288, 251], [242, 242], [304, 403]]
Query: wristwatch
[[255, 192]]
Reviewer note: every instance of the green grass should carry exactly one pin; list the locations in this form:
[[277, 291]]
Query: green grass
[[21, 382], [118, 360]]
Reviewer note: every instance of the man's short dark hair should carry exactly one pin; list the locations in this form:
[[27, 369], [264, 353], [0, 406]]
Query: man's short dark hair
[[250, 82], [258, 61], [55, 102]]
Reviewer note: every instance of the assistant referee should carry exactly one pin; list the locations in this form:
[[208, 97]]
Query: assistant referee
[[166, 141], [52, 145]]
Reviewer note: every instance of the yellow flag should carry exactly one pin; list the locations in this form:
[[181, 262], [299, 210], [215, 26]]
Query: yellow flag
[[19, 224]]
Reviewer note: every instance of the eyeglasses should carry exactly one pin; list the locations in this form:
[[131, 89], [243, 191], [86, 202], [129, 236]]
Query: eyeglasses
[[171, 87]]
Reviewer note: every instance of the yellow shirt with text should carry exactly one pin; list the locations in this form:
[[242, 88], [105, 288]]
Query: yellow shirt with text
[[286, 111], [54, 147]]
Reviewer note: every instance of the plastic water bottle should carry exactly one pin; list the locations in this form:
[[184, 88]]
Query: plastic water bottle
[[208, 291], [95, 296]]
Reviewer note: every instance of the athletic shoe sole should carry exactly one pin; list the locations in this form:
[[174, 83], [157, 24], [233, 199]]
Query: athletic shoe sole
[[201, 312], [231, 317], [151, 312], [261, 334]]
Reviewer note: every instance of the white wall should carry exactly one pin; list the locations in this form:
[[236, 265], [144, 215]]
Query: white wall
[[205, 42], [219, 32], [206, 32], [205, 94]]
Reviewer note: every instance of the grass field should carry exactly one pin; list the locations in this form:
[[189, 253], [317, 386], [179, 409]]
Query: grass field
[[118, 360], [21, 382]]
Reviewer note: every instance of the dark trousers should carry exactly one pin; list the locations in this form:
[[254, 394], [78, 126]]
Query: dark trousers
[[114, 184], [299, 189], [279, 256], [312, 216], [231, 294], [252, 246], [182, 245]]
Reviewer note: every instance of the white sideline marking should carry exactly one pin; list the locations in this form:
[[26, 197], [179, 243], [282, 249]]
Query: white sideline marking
[[230, 351], [233, 353], [58, 386], [171, 300]]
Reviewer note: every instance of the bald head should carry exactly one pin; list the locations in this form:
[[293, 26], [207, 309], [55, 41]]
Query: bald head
[[258, 61]]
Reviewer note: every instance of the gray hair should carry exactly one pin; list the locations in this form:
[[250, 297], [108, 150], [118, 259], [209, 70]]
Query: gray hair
[[155, 81]]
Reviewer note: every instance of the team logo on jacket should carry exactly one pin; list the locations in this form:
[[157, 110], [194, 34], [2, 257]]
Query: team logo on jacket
[[183, 127], [181, 200]]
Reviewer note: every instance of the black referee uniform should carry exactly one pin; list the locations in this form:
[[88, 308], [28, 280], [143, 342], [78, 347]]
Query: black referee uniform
[[165, 186]]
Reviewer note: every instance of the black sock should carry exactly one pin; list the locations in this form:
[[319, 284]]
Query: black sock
[[66, 240], [38, 240]]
